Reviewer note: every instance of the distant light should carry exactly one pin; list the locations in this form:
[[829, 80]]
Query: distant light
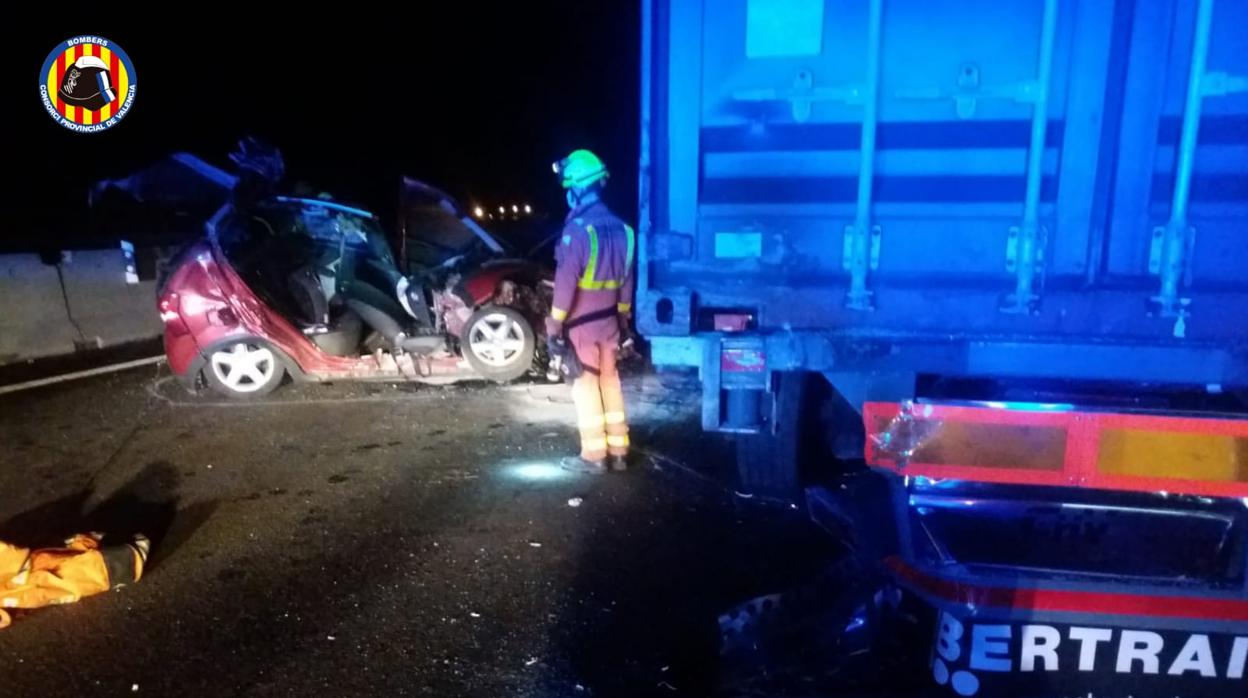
[[502, 209], [528, 208], [515, 208], [537, 471], [478, 212]]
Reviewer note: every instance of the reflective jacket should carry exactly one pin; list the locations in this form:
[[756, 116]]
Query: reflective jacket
[[594, 261]]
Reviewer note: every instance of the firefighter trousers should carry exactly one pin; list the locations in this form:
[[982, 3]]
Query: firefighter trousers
[[599, 401]]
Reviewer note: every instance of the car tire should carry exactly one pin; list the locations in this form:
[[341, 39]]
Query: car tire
[[243, 370], [499, 343]]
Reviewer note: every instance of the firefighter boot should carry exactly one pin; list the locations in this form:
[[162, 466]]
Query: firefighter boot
[[577, 464]]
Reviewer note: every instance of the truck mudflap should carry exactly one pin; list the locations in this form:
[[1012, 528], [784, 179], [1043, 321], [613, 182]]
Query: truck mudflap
[[1050, 641]]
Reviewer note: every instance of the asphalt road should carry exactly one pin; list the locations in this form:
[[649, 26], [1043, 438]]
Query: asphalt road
[[374, 540]]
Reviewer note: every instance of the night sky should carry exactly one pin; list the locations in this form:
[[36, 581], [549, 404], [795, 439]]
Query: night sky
[[478, 98]]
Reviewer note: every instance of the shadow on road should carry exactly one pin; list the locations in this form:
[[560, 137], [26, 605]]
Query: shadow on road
[[147, 504]]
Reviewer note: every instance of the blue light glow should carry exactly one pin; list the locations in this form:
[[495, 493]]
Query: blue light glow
[[536, 471], [858, 621], [1031, 406]]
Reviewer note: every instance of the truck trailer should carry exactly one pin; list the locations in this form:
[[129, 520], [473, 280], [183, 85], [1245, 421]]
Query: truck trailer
[[998, 253]]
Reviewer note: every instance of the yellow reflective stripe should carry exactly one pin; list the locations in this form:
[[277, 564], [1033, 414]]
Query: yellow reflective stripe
[[591, 423], [587, 281], [617, 441], [598, 285], [559, 314], [632, 241], [624, 307], [598, 444], [613, 417], [591, 264]]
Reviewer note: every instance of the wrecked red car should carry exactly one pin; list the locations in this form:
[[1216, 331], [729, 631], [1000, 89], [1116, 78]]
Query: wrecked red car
[[310, 289]]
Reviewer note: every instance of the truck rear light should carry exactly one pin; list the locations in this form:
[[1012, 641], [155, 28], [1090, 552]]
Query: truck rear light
[[732, 322], [743, 361]]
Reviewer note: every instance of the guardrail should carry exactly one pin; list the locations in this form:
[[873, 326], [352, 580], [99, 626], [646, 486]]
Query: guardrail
[[88, 299]]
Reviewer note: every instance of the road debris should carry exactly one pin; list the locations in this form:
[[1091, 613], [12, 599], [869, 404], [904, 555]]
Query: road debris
[[531, 661], [575, 502]]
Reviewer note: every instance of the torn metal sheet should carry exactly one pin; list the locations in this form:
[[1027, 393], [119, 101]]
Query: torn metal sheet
[[909, 431]]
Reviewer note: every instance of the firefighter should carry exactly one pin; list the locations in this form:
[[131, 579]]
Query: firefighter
[[592, 303], [50, 576]]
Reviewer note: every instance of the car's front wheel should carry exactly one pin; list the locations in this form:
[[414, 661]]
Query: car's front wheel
[[499, 343], [244, 369]]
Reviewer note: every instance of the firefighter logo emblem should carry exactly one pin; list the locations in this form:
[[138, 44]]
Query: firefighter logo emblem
[[87, 84]]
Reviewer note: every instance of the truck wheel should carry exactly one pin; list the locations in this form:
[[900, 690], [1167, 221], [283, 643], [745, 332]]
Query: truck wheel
[[768, 462], [499, 343], [244, 370]]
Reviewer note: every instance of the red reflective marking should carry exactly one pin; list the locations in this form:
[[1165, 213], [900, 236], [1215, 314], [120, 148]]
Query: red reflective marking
[[1056, 600]]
